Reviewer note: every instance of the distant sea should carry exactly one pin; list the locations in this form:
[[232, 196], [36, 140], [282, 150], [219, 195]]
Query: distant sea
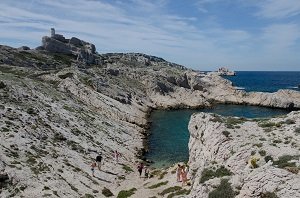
[[266, 81]]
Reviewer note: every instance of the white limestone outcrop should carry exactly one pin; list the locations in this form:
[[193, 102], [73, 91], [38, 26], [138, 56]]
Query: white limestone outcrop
[[234, 142]]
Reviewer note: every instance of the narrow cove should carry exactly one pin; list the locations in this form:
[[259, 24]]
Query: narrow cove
[[169, 135]]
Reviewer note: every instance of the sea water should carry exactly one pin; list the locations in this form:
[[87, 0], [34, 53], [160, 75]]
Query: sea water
[[168, 141], [266, 81]]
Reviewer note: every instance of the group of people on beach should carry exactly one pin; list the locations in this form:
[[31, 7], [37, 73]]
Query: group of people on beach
[[98, 161], [181, 173]]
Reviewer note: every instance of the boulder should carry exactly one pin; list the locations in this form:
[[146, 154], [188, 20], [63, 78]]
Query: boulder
[[56, 46], [40, 48], [24, 48], [75, 41]]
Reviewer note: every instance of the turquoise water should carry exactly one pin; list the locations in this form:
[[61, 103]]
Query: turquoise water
[[168, 142], [266, 81]]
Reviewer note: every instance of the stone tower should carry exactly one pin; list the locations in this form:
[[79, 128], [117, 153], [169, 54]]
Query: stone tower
[[52, 32]]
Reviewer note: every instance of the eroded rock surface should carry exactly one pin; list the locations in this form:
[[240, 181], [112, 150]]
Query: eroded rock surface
[[256, 157]]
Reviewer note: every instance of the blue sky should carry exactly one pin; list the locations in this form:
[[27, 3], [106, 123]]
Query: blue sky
[[200, 34]]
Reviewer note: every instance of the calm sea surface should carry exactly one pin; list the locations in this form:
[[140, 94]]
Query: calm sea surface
[[266, 81], [168, 142]]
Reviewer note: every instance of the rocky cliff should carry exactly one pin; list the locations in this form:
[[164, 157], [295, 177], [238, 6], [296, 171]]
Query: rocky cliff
[[58, 111], [236, 157]]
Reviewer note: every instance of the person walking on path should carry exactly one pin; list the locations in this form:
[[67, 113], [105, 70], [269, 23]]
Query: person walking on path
[[178, 172], [98, 161], [140, 168], [116, 156], [93, 165]]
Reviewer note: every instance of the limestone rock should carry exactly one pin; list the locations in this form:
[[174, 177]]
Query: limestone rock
[[56, 46], [213, 144]]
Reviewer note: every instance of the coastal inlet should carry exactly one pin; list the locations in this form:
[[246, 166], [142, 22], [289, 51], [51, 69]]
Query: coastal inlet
[[169, 135]]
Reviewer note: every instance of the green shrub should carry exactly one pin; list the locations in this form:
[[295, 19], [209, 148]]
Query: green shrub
[[226, 133], [297, 130], [158, 185], [88, 196], [216, 119], [262, 152], [283, 161], [277, 141], [127, 168], [126, 193], [258, 145], [224, 190], [170, 190], [231, 121], [268, 195], [253, 162], [208, 174], [179, 192], [107, 193]]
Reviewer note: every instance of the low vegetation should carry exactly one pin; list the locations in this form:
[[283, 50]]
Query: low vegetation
[[127, 168], [208, 174], [126, 193], [268, 195], [231, 122], [226, 133], [224, 190], [284, 161], [158, 185], [179, 192], [107, 193], [170, 190], [262, 152]]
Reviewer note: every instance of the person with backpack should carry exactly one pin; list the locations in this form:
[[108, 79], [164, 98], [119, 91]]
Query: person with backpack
[[98, 161]]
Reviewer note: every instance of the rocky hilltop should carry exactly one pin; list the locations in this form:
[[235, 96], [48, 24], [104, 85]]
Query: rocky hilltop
[[62, 103]]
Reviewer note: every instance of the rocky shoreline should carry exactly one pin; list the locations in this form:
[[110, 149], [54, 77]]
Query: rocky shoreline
[[57, 109]]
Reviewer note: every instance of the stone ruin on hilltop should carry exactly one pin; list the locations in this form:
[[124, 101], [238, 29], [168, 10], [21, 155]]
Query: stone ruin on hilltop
[[57, 43]]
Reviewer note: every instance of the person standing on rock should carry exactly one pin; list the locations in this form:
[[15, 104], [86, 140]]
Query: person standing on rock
[[178, 172], [140, 168], [93, 165], [98, 161]]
